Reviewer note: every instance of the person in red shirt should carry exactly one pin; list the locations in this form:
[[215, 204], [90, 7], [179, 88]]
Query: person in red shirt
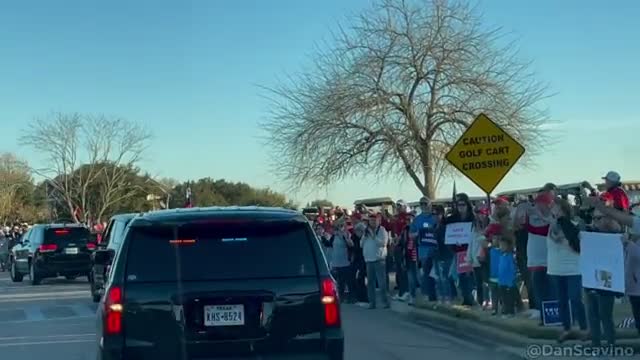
[[614, 187]]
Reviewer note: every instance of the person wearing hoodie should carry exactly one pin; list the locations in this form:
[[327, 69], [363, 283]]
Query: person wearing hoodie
[[462, 213], [374, 249]]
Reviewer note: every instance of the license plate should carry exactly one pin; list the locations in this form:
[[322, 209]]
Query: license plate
[[71, 251], [224, 315]]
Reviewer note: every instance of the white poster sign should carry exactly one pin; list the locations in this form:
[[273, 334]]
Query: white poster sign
[[602, 261], [458, 233]]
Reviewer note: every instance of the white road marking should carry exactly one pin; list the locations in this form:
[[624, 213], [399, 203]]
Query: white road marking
[[33, 343], [45, 336], [55, 319], [52, 295]]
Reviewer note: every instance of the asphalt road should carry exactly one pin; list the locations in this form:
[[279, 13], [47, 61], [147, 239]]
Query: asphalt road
[[55, 321]]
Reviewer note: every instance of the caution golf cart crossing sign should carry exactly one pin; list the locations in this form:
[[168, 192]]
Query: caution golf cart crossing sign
[[485, 153]]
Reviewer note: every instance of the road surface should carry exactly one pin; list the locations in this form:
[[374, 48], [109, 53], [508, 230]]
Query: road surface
[[55, 321]]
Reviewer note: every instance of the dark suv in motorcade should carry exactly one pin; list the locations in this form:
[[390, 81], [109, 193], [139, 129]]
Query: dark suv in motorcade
[[105, 253], [52, 250], [238, 282]]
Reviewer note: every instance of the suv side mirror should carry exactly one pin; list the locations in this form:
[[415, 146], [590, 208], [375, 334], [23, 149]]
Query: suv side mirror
[[103, 257]]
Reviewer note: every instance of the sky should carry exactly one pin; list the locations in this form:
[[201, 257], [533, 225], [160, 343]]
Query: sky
[[192, 71]]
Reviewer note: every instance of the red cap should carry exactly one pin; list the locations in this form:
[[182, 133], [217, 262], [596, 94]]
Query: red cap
[[493, 229], [501, 200], [544, 198]]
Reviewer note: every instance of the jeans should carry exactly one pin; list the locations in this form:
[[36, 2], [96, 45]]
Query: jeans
[[359, 271], [600, 306], [345, 279], [412, 277], [508, 298], [635, 308], [481, 282], [568, 290], [540, 284], [522, 237], [443, 271], [428, 284], [401, 273], [494, 290], [376, 271], [465, 281]]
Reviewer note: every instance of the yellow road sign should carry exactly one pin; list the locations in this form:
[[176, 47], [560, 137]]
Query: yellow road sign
[[485, 153]]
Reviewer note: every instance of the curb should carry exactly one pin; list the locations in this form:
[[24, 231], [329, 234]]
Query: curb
[[498, 334]]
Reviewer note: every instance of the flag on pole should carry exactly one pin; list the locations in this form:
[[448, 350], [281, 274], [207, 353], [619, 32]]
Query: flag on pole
[[189, 202], [453, 196]]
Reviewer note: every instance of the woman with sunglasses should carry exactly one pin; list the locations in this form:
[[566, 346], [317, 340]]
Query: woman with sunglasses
[[462, 212]]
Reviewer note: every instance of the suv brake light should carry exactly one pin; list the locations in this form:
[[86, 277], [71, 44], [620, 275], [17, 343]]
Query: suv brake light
[[91, 246], [113, 310], [330, 302], [47, 248]]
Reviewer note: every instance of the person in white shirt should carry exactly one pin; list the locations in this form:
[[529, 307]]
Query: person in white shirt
[[374, 248], [563, 267]]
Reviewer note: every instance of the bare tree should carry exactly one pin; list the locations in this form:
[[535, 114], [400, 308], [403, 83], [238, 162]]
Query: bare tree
[[14, 173], [89, 159], [394, 92]]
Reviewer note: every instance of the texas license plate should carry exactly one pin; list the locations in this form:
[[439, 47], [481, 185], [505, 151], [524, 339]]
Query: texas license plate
[[71, 251], [224, 315]]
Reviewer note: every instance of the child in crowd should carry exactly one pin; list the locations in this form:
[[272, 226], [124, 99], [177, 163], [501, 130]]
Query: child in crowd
[[477, 254], [507, 276], [494, 265]]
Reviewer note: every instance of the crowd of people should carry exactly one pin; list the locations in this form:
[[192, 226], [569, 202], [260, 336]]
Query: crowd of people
[[531, 243], [9, 235]]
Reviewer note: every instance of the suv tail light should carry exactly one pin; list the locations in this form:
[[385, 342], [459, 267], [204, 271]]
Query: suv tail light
[[113, 310], [47, 248], [91, 246], [330, 302]]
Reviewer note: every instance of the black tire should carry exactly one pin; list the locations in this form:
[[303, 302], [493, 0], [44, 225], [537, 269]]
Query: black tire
[[34, 275], [95, 298], [70, 277], [15, 275]]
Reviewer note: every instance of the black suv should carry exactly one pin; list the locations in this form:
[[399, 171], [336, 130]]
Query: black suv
[[238, 282], [111, 240], [52, 250]]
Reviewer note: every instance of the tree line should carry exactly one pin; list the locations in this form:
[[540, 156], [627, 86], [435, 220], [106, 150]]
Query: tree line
[[91, 172]]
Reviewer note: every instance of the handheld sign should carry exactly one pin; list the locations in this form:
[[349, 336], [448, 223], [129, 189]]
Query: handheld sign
[[463, 263], [602, 261], [551, 313], [485, 153], [458, 233]]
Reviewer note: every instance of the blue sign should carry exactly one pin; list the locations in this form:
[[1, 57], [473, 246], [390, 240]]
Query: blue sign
[[551, 313]]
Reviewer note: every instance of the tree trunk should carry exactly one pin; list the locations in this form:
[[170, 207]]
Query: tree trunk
[[429, 179]]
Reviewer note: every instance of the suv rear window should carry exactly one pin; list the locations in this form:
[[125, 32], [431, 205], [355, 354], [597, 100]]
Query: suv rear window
[[216, 252], [64, 236]]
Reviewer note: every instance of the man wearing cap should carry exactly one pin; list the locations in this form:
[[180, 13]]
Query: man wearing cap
[[614, 187], [374, 250], [422, 231]]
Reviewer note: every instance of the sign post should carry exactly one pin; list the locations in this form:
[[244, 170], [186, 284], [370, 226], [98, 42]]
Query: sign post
[[485, 153]]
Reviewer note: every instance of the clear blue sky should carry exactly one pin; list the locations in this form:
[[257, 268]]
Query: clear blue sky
[[189, 71]]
